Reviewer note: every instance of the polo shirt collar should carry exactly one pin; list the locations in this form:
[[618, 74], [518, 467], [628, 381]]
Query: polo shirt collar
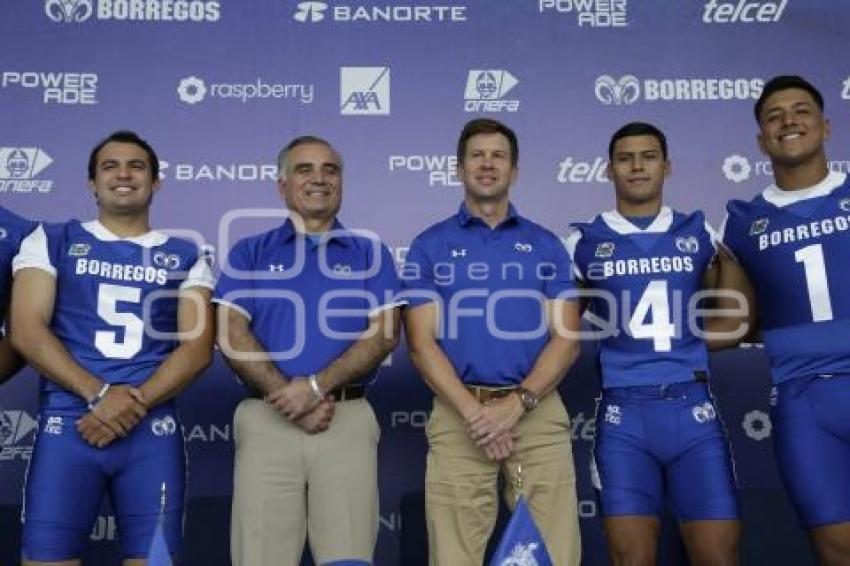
[[288, 232], [465, 218]]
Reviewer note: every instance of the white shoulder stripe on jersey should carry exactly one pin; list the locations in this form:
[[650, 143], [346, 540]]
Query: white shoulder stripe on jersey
[[571, 242], [777, 197], [33, 253], [149, 240], [721, 235], [618, 223], [200, 275], [233, 306]]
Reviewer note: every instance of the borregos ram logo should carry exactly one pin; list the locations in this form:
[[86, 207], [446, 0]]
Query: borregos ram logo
[[78, 11], [628, 89]]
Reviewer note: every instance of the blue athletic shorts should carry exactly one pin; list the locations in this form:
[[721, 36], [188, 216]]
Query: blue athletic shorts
[[67, 479], [811, 418], [665, 442]]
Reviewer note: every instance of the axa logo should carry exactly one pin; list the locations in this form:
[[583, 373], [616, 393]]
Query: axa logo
[[67, 11], [364, 91], [311, 12], [737, 168], [625, 90], [486, 90]]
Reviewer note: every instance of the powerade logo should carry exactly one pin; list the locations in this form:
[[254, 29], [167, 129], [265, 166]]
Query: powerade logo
[[78, 11], [56, 87], [628, 89], [591, 13], [194, 90], [743, 12], [313, 12]]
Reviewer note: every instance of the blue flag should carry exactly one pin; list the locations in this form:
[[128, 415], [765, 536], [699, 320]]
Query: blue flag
[[158, 554], [521, 543]]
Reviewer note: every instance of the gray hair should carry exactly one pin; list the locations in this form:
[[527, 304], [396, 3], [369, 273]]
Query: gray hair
[[283, 156]]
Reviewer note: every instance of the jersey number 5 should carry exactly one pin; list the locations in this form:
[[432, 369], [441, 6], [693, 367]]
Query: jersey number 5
[[106, 341]]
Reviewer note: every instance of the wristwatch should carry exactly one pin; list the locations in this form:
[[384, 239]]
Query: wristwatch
[[528, 399]]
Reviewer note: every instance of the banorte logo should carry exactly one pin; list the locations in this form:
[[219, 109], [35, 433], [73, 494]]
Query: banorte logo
[[312, 12]]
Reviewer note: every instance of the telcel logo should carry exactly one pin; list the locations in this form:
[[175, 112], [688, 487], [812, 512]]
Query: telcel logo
[[746, 12]]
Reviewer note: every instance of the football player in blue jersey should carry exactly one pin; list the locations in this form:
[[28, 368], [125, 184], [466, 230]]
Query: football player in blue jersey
[[13, 229], [116, 318], [659, 437], [793, 242]]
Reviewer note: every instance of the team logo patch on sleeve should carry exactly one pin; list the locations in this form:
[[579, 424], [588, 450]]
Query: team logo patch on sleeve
[[704, 413], [170, 261], [759, 226], [605, 249], [79, 250], [689, 245]]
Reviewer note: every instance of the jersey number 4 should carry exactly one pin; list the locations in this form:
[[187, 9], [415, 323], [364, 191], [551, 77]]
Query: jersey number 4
[[106, 341], [654, 305]]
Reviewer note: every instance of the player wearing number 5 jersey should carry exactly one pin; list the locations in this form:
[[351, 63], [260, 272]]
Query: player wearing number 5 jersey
[[115, 317], [658, 432], [793, 241]]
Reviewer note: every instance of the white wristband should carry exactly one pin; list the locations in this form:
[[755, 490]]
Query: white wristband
[[314, 385], [99, 397]]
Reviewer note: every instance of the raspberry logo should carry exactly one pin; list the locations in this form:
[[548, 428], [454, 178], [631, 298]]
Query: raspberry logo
[[737, 168], [757, 425], [192, 90]]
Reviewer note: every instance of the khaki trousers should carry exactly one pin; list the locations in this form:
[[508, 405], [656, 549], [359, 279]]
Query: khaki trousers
[[461, 496], [289, 484]]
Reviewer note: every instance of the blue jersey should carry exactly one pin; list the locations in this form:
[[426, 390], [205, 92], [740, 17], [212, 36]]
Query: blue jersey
[[13, 229], [647, 277], [795, 246], [116, 299]]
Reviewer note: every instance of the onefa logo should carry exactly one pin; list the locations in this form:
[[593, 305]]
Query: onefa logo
[[364, 91], [68, 10], [15, 426], [486, 90], [18, 168], [609, 90]]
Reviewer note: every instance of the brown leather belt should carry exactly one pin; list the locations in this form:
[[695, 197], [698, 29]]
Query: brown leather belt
[[485, 394]]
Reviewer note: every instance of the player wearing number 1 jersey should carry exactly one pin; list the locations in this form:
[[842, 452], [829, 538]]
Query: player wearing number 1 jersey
[[793, 241], [658, 432], [115, 317]]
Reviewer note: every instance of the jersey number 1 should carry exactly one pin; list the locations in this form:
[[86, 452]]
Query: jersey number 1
[[815, 268]]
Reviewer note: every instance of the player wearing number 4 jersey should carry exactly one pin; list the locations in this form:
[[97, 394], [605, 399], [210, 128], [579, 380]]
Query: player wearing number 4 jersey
[[658, 432], [115, 317], [793, 241]]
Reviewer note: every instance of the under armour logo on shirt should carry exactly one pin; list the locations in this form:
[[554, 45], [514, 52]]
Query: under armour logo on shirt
[[276, 267], [459, 252], [689, 245]]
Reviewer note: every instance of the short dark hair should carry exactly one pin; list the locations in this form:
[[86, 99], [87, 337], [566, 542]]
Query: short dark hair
[[124, 136], [486, 126], [638, 129], [785, 82], [283, 155]]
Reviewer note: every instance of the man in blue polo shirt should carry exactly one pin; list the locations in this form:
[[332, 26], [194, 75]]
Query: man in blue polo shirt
[[488, 330], [307, 312], [13, 229], [793, 241]]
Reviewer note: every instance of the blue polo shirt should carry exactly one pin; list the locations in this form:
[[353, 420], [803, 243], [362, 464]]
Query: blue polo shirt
[[491, 285], [307, 300]]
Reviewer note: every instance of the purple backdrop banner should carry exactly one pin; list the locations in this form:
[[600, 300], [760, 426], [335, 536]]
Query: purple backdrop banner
[[218, 86]]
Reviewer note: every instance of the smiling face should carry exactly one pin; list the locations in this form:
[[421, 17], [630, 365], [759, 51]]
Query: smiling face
[[637, 169], [792, 128], [123, 182], [312, 184], [487, 169]]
